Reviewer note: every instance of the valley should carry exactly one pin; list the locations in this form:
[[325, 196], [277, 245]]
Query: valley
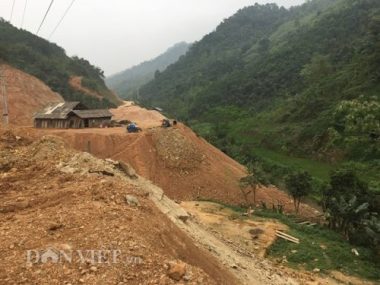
[[247, 153]]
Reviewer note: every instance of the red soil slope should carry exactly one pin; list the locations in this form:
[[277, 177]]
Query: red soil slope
[[184, 165], [42, 206], [26, 95], [76, 83]]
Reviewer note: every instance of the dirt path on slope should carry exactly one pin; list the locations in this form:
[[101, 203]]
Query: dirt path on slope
[[229, 240], [248, 269]]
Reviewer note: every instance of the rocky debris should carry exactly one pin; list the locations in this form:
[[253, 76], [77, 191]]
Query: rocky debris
[[102, 172], [68, 169], [132, 201], [184, 218], [84, 163], [55, 226], [177, 151], [176, 270], [10, 140], [48, 147], [42, 207], [127, 169]]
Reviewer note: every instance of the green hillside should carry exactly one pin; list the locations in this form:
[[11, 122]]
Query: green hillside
[[296, 88], [49, 63], [128, 82]]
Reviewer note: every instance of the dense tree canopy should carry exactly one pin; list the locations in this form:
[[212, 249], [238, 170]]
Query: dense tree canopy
[[304, 81]]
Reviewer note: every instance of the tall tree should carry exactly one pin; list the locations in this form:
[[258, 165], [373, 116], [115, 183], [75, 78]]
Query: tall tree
[[299, 186], [250, 183]]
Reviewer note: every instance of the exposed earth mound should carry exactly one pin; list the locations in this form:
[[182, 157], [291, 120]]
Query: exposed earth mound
[[57, 200], [176, 151], [26, 95], [145, 118], [176, 159]]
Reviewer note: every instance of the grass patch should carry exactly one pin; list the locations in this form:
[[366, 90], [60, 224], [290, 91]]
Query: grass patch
[[319, 247], [317, 169], [324, 249]]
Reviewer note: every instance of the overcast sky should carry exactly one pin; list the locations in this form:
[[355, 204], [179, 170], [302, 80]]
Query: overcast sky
[[117, 34]]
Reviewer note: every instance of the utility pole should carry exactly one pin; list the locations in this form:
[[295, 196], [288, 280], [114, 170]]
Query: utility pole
[[4, 97]]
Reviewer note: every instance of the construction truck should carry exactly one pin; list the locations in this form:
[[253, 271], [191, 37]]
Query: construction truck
[[133, 128]]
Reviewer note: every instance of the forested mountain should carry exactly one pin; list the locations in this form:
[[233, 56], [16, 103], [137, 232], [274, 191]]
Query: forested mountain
[[299, 82], [49, 63], [128, 82]]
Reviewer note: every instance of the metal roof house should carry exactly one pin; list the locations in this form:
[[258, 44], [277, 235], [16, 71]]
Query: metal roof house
[[71, 115]]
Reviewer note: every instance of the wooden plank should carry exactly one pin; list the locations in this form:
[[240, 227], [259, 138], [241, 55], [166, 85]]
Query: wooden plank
[[280, 232], [287, 237]]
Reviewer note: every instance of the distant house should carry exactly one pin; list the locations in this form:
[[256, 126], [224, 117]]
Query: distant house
[[71, 115]]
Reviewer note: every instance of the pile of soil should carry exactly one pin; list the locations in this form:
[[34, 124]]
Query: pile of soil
[[54, 198], [176, 151], [144, 118]]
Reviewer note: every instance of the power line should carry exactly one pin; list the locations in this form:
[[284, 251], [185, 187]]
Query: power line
[[43, 20], [13, 7], [63, 17], [23, 14]]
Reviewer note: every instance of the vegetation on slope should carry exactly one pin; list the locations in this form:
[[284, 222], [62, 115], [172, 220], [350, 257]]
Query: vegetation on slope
[[320, 248], [49, 63], [127, 83], [297, 83]]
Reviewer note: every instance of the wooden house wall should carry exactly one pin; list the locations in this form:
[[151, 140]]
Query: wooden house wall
[[73, 122], [98, 122]]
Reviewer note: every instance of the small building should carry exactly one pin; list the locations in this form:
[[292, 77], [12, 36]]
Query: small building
[[71, 115]]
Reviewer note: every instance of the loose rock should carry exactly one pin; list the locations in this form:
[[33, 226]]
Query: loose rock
[[177, 270]]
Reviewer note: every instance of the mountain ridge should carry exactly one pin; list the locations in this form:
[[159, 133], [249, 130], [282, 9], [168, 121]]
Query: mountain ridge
[[49, 63], [127, 83], [283, 80]]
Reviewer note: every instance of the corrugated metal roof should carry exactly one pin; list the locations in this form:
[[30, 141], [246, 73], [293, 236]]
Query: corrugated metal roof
[[60, 111], [57, 110], [87, 114]]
